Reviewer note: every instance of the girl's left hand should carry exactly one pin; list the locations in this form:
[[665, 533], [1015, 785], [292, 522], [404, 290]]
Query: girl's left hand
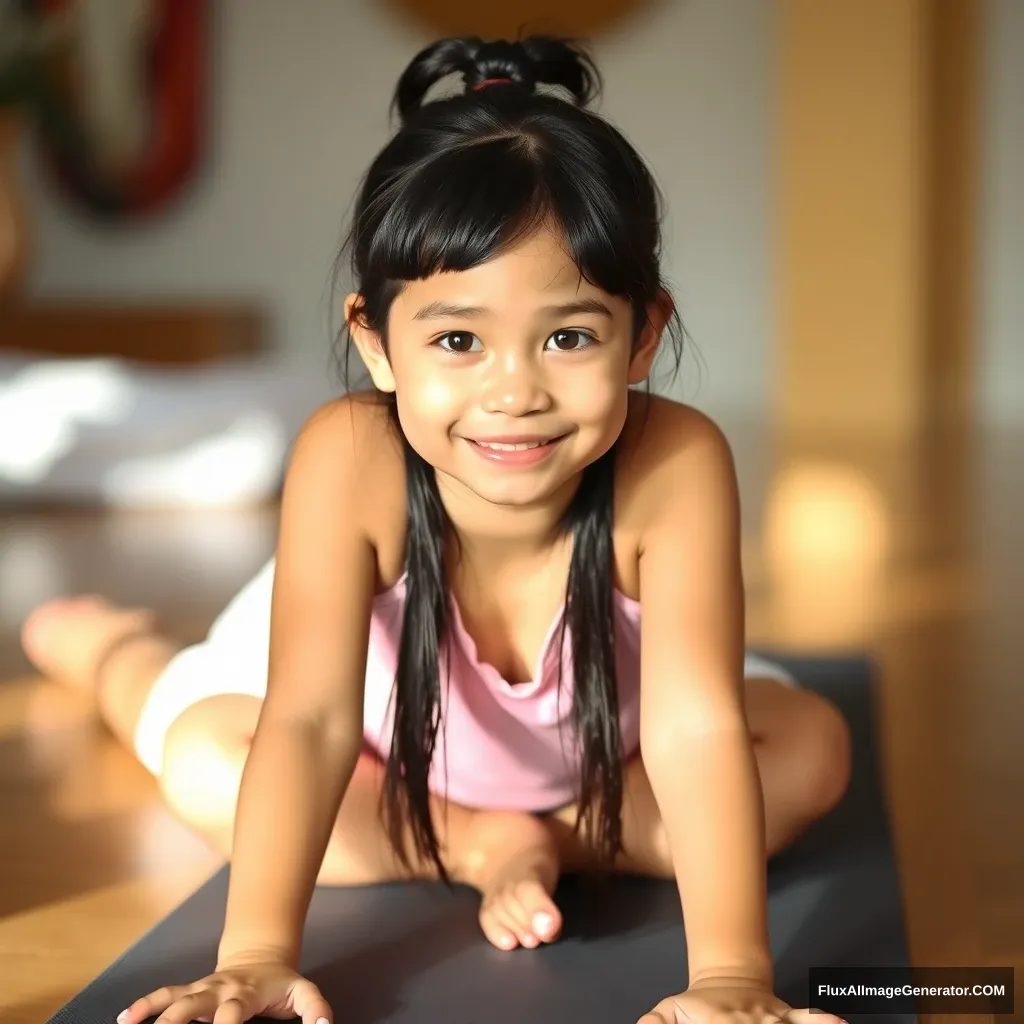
[[720, 1000]]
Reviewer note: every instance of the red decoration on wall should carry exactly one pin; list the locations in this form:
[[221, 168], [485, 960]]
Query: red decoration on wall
[[175, 83]]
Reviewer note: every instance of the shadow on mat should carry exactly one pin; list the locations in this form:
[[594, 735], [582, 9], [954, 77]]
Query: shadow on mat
[[409, 952], [372, 994]]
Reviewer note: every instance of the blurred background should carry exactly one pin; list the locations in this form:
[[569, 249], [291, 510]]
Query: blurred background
[[844, 235]]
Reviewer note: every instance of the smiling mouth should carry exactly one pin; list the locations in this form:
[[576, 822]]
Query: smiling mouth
[[519, 447]]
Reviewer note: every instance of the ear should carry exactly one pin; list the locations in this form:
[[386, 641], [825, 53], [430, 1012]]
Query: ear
[[369, 344], [659, 312]]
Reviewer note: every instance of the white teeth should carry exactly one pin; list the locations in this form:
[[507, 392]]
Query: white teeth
[[510, 447]]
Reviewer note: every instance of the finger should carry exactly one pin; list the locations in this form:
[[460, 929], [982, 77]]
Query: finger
[[666, 1012], [809, 1016], [308, 1003], [189, 1008], [231, 1011], [152, 1004]]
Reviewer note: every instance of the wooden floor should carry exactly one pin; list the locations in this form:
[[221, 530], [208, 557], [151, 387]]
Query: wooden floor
[[914, 552]]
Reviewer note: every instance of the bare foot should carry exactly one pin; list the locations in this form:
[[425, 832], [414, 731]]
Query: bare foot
[[68, 639], [514, 864]]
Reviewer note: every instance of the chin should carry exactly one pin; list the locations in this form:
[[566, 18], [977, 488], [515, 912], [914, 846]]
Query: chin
[[511, 495], [528, 490]]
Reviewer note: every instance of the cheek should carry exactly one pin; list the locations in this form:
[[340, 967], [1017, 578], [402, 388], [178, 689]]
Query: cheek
[[435, 399], [428, 405], [599, 408], [428, 395], [595, 396]]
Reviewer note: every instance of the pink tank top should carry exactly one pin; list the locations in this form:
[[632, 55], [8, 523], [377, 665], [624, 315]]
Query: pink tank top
[[500, 745]]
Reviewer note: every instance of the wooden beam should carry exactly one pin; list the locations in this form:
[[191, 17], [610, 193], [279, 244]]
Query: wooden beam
[[955, 147], [874, 212], [188, 333]]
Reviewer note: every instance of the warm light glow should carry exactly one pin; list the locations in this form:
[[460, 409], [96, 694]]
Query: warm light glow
[[826, 542]]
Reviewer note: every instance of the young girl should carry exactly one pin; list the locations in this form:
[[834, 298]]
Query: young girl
[[452, 622]]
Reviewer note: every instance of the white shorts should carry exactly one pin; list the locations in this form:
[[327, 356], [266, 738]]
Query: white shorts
[[234, 658]]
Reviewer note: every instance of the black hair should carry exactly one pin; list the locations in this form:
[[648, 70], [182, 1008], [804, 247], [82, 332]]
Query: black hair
[[463, 178]]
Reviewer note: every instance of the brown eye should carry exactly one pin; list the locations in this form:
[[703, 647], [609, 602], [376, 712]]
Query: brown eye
[[461, 341], [569, 341]]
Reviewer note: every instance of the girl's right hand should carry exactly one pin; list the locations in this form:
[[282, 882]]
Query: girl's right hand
[[235, 993]]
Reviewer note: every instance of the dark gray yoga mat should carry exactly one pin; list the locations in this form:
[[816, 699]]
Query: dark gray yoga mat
[[414, 954]]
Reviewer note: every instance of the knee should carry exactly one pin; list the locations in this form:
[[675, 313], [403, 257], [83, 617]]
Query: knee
[[645, 839], [358, 851], [202, 769], [662, 849], [828, 760]]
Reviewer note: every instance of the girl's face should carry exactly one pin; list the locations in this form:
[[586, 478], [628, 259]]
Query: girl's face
[[521, 347]]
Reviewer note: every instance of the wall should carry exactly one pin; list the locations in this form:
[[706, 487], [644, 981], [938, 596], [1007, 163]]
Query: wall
[[1001, 273], [299, 107]]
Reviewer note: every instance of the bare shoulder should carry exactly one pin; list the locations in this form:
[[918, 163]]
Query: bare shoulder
[[326, 569], [346, 425], [673, 453], [345, 463]]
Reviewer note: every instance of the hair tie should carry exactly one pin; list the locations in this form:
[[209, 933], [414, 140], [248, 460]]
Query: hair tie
[[490, 81]]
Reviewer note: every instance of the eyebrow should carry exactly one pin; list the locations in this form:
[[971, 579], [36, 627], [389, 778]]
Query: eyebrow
[[445, 310]]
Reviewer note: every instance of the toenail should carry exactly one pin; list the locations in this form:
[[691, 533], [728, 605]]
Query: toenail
[[543, 922], [529, 941]]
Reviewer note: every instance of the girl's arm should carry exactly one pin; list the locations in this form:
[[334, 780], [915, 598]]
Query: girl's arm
[[694, 739], [309, 733]]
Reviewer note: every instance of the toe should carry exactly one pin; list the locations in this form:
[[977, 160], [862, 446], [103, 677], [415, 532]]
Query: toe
[[497, 928], [542, 916], [43, 622], [37, 627], [518, 918], [66, 636]]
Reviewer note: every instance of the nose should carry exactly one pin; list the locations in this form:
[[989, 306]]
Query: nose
[[513, 386]]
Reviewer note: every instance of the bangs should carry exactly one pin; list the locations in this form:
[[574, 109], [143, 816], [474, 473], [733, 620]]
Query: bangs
[[467, 206]]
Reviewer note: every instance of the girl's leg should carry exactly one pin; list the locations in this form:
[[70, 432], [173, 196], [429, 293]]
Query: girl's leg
[[81, 639], [198, 753], [204, 754], [510, 857], [802, 746], [801, 743]]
